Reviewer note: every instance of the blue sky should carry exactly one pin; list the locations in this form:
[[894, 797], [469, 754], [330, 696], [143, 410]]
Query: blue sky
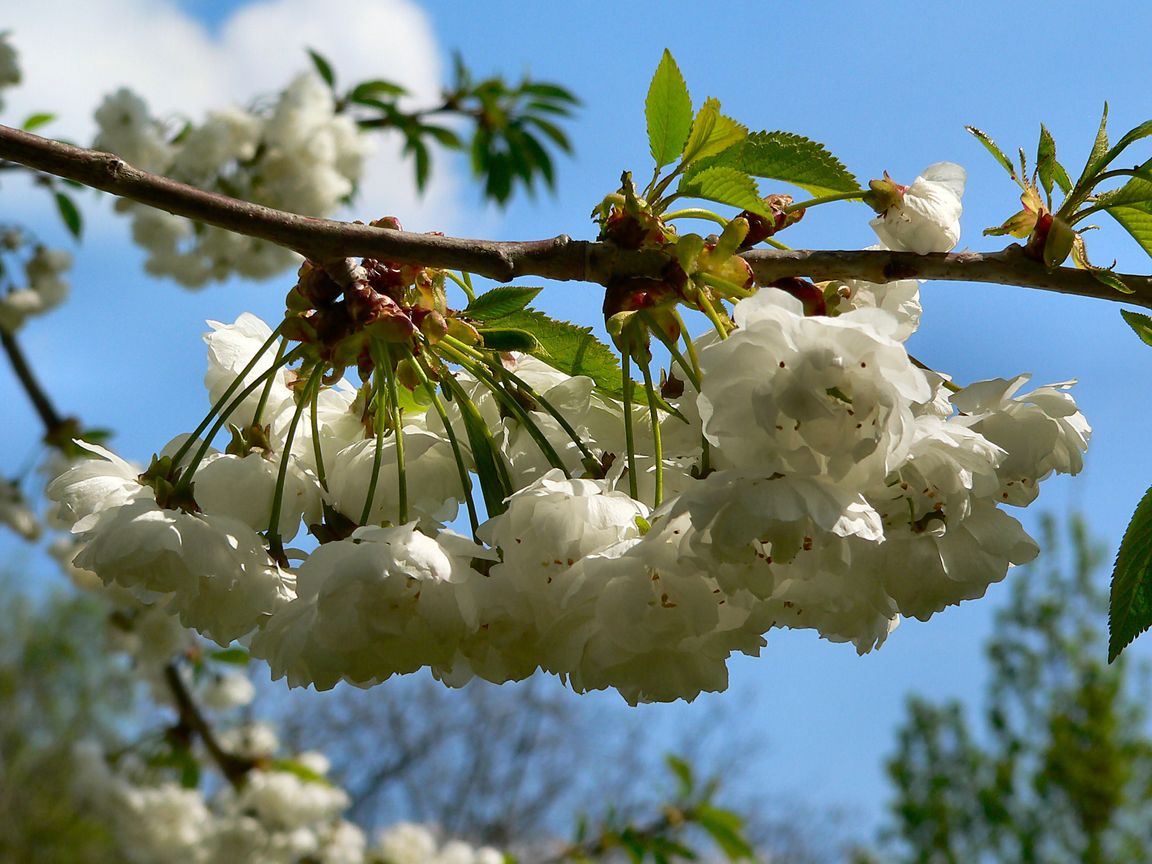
[[886, 86]]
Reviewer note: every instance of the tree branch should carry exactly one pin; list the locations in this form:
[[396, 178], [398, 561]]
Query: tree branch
[[234, 768], [559, 258], [49, 416]]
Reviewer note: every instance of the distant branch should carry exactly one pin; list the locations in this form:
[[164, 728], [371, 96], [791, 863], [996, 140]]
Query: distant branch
[[559, 258]]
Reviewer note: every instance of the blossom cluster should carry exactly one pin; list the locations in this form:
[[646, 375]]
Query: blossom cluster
[[816, 478], [43, 287], [295, 153], [280, 813]]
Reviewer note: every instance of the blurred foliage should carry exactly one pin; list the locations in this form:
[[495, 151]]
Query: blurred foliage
[[1061, 770], [57, 686], [509, 130]]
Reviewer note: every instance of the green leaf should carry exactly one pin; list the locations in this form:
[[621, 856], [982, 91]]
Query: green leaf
[[1107, 277], [790, 159], [712, 133], [370, 91], [510, 340], [991, 147], [1137, 221], [1046, 160], [725, 185], [1130, 137], [1135, 191], [570, 348], [35, 121], [237, 656], [683, 772], [1130, 605], [724, 827], [499, 302], [668, 110], [73, 221], [323, 67], [300, 770], [490, 468], [1141, 324]]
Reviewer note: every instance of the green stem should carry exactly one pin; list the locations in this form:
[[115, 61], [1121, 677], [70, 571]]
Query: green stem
[[657, 448], [465, 285], [696, 213], [310, 388], [267, 391], [477, 369], [826, 199], [317, 450], [190, 468], [629, 438], [457, 454], [378, 451], [729, 288], [220, 403], [398, 426], [705, 306]]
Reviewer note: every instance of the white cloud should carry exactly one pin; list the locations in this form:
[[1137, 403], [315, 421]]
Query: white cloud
[[73, 54]]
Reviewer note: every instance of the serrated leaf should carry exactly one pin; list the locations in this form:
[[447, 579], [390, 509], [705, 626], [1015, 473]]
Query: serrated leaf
[[510, 340], [1099, 147], [990, 145], [236, 656], [1130, 604], [35, 121], [788, 158], [69, 214], [1131, 137], [668, 111], [1136, 190], [323, 67], [712, 133], [725, 185], [1137, 221], [500, 301], [1046, 160], [1110, 279], [1140, 324], [568, 347]]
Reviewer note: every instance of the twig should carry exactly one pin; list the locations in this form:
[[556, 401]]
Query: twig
[[49, 416], [559, 258], [233, 767]]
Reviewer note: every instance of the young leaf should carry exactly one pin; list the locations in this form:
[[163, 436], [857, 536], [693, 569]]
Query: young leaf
[[790, 159], [372, 90], [725, 186], [683, 772], [73, 221], [668, 110], [996, 152], [712, 133], [238, 656], [568, 347], [323, 67], [1131, 137], [724, 828], [510, 340], [1136, 219], [1099, 148], [35, 121], [500, 301], [1141, 324], [1130, 605], [1135, 191], [1046, 161]]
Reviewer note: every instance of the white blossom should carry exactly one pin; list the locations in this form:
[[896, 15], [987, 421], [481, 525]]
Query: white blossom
[[927, 216]]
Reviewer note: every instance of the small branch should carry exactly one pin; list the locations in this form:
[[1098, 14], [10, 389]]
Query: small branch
[[559, 258], [234, 768], [49, 416]]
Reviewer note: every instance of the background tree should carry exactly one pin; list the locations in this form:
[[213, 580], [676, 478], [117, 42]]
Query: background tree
[[1059, 768]]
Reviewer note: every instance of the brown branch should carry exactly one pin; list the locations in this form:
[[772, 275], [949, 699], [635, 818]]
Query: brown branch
[[49, 416], [559, 258], [233, 767]]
